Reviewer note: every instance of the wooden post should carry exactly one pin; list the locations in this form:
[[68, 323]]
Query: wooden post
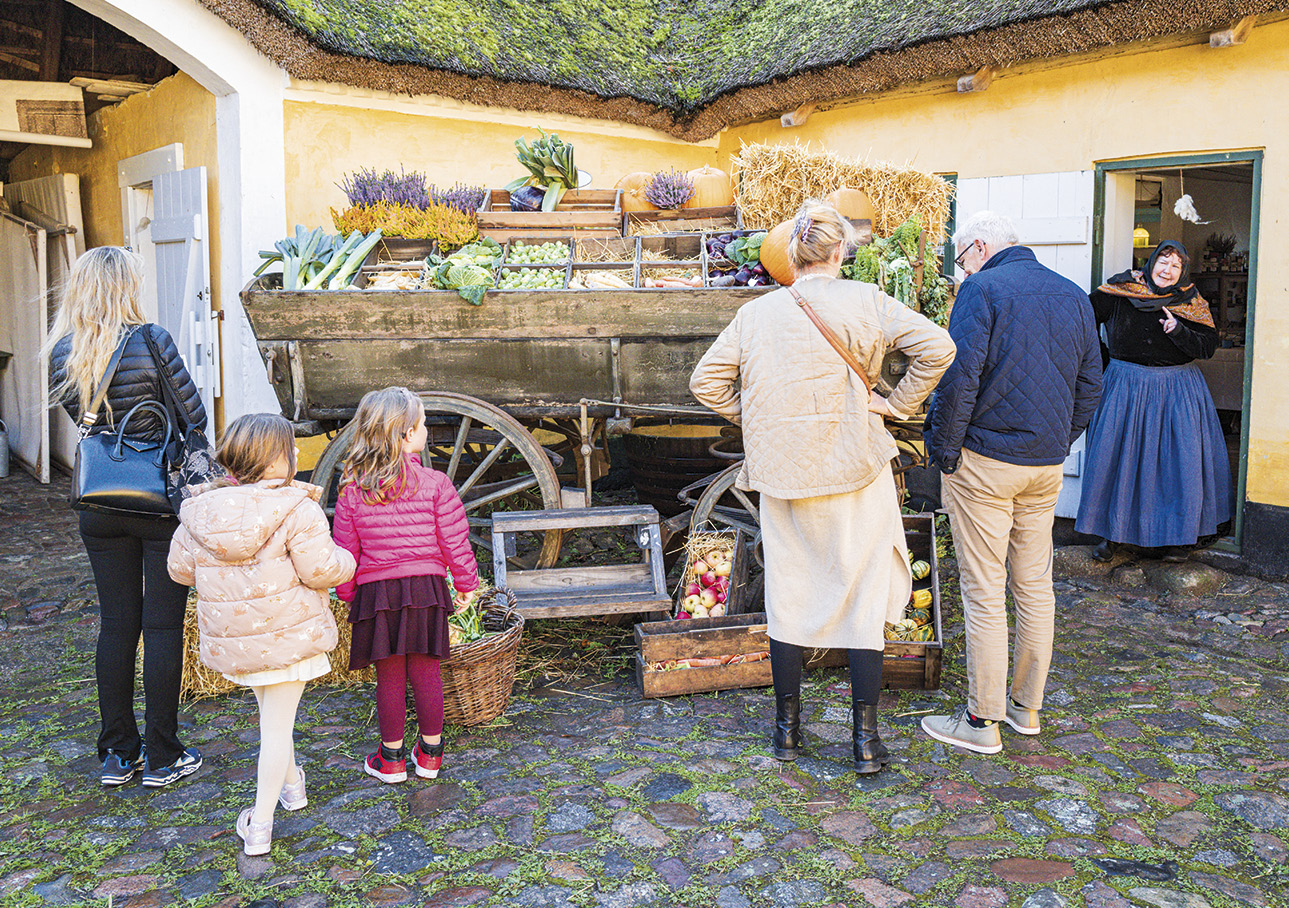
[[52, 40], [919, 268]]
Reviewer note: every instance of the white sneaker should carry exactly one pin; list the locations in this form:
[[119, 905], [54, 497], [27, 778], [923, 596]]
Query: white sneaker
[[293, 796], [256, 836]]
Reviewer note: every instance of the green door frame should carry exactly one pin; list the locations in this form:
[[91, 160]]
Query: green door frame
[[1253, 157]]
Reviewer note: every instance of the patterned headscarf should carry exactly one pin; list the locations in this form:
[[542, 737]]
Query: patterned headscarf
[[1182, 299]]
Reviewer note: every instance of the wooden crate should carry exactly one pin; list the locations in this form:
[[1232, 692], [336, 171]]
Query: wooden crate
[[594, 211], [701, 638], [905, 665], [738, 577], [683, 220]]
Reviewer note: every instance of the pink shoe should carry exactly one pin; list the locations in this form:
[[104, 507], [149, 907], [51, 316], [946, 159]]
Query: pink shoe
[[428, 762], [293, 796], [256, 836]]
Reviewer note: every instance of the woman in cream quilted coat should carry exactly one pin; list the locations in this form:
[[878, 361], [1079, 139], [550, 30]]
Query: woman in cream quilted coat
[[259, 550], [836, 564]]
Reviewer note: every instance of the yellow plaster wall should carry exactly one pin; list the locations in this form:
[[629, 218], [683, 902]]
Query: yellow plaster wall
[[1168, 102], [326, 141], [177, 109]]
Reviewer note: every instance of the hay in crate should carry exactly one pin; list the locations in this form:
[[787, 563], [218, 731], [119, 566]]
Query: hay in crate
[[773, 181], [201, 683]]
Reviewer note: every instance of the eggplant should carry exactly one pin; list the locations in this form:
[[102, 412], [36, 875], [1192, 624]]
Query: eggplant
[[527, 198]]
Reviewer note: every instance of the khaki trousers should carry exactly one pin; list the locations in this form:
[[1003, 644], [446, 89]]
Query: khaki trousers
[[1001, 515]]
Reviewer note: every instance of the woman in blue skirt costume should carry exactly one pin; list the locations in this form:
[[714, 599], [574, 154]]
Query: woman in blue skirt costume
[[1156, 472]]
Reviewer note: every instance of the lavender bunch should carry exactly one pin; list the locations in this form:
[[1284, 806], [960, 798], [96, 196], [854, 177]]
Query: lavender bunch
[[669, 189], [367, 187], [463, 198]]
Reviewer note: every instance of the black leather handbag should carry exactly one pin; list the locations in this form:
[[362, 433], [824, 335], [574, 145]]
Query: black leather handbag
[[115, 473], [190, 458]]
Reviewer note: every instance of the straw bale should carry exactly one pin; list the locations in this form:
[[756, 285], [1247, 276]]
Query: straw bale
[[774, 180], [201, 683]]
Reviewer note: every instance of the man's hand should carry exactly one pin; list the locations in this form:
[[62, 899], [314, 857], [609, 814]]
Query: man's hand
[[1169, 321]]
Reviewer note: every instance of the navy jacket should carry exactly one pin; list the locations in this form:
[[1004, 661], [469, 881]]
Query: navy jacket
[[1027, 376]]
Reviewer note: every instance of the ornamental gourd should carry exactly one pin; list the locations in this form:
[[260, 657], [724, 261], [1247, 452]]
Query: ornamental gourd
[[713, 188], [852, 203], [774, 254]]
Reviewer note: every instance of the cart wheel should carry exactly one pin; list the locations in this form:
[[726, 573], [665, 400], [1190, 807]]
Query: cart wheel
[[494, 462]]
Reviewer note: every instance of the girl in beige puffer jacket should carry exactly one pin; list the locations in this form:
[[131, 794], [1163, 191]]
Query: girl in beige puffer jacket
[[259, 550]]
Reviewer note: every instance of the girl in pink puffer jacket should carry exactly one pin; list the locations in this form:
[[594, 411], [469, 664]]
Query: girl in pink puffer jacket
[[407, 527], [258, 549]]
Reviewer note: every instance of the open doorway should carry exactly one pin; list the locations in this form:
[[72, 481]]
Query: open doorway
[[1137, 208]]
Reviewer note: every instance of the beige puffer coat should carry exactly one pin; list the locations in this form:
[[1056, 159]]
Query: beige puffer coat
[[807, 430], [262, 559]]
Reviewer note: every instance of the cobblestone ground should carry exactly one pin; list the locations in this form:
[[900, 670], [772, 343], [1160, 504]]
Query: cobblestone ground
[[1165, 746]]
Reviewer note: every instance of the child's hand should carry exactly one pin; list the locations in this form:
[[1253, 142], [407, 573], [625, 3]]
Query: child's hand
[[460, 602]]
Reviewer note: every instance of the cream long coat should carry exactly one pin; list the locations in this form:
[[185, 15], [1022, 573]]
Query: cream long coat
[[806, 426], [836, 564], [262, 559]]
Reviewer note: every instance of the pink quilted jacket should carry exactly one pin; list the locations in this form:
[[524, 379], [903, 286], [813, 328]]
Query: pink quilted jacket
[[262, 561], [422, 532]]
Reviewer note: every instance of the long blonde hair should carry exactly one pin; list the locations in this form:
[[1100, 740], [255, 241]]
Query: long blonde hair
[[818, 231], [376, 463], [100, 302], [252, 444]]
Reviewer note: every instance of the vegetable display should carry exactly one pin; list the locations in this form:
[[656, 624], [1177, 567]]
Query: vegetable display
[[743, 253], [888, 262], [531, 279], [549, 162], [317, 260], [522, 253]]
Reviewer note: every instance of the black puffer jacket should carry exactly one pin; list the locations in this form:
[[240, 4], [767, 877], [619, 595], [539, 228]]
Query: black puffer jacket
[[137, 380]]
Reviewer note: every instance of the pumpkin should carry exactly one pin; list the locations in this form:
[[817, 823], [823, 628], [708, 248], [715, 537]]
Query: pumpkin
[[922, 599], [638, 180], [920, 615], [713, 188], [904, 629], [920, 569], [852, 203], [634, 200], [774, 254]]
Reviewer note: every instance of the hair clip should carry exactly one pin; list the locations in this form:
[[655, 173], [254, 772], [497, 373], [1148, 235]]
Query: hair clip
[[803, 228]]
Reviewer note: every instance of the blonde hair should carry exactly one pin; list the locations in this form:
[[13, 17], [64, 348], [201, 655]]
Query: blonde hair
[[252, 444], [100, 302], [376, 463], [817, 233]]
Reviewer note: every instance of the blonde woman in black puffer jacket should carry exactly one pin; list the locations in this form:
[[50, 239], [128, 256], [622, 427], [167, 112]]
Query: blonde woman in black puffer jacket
[[100, 306]]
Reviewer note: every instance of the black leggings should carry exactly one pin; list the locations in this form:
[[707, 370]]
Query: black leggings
[[865, 672], [136, 595]]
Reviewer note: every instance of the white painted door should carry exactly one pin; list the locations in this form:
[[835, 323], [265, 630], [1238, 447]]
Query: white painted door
[[1053, 215], [134, 177], [180, 234]]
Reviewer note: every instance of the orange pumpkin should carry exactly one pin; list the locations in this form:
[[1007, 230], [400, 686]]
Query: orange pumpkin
[[713, 188], [774, 254], [852, 203], [638, 180], [634, 200]]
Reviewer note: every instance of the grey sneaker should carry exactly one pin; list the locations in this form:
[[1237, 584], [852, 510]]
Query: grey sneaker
[[293, 796], [956, 730], [1022, 719], [257, 837]]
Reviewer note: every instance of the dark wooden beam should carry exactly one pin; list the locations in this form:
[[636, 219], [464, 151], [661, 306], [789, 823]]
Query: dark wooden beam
[[51, 52]]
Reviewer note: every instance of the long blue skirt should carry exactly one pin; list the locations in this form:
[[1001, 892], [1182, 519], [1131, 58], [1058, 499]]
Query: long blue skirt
[[1155, 470]]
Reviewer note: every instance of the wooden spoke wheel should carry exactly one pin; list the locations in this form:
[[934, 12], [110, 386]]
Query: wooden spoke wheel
[[494, 462]]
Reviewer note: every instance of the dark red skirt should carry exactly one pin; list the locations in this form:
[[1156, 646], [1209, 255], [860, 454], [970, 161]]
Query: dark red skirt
[[400, 616]]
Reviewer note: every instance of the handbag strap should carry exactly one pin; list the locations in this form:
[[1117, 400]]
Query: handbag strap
[[90, 416], [178, 415], [832, 339]]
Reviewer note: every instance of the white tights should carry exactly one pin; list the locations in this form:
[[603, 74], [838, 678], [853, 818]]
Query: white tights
[[278, 703]]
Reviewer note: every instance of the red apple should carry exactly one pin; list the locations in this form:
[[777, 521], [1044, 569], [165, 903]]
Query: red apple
[[707, 579], [723, 568], [708, 599], [701, 567], [681, 615], [693, 589]]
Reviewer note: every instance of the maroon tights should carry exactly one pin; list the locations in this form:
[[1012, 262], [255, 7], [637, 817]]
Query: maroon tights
[[392, 674]]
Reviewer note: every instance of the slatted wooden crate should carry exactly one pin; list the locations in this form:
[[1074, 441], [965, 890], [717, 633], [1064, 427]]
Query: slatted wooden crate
[[905, 666], [594, 211]]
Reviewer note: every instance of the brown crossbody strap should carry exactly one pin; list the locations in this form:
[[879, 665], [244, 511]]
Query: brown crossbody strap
[[832, 339]]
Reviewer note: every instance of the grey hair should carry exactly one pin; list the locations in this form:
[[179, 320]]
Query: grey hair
[[994, 230]]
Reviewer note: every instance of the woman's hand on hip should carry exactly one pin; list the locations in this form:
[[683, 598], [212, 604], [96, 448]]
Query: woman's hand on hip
[[1169, 321], [877, 404]]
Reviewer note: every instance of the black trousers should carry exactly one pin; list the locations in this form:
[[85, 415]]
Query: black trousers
[[136, 596]]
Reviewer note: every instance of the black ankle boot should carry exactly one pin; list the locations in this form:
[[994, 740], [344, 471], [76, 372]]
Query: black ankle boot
[[1104, 550], [870, 753], [787, 726]]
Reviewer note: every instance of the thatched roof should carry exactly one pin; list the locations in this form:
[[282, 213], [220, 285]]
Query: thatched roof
[[689, 67]]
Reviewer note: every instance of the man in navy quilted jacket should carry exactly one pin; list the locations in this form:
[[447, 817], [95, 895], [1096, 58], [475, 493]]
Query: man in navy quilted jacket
[[1023, 387]]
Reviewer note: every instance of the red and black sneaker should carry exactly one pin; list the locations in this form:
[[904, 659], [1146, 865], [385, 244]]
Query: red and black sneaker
[[428, 759], [386, 770]]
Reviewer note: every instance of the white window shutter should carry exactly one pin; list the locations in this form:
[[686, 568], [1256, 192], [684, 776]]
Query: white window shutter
[[180, 231]]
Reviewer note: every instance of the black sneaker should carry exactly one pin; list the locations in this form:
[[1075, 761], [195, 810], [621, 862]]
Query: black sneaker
[[188, 763], [117, 771]]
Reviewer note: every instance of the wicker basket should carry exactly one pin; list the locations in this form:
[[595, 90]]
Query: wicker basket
[[478, 676]]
